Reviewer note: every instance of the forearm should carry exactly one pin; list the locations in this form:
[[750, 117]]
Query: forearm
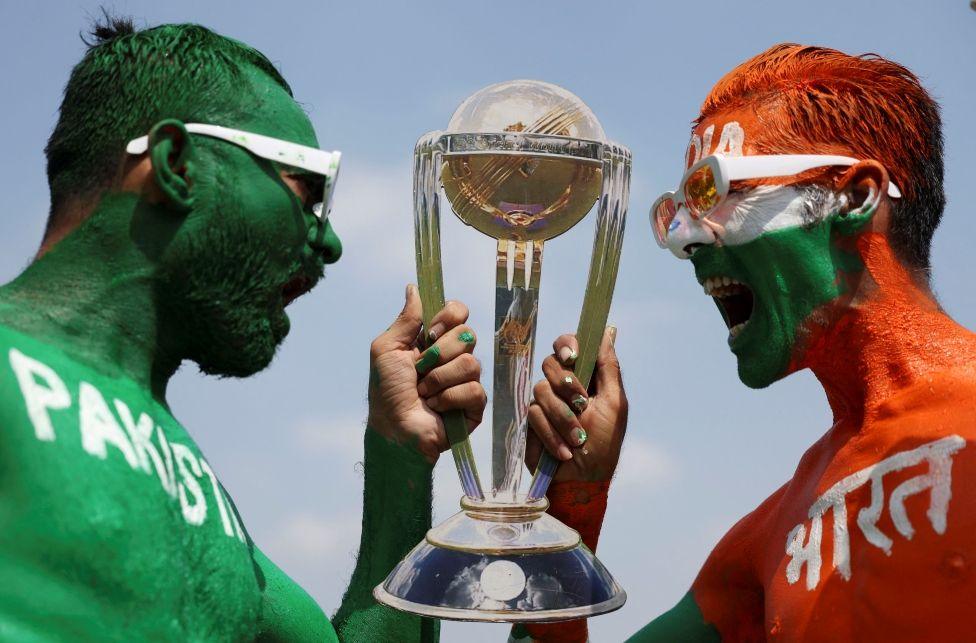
[[396, 516], [580, 505]]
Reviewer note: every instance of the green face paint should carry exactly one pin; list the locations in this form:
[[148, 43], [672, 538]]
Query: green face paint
[[791, 271], [242, 251], [91, 333], [466, 337]]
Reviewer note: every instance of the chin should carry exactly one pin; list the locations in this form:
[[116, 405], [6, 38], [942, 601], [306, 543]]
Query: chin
[[759, 371], [245, 352], [754, 377]]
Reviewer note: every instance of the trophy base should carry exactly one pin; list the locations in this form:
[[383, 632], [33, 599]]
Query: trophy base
[[501, 562]]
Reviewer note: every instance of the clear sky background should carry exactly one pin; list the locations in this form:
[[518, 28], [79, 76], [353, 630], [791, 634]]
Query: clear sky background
[[702, 449]]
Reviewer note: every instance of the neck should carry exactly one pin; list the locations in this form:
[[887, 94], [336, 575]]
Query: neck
[[92, 296], [888, 337]]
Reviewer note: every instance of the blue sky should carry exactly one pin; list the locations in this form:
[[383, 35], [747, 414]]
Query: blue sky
[[701, 449]]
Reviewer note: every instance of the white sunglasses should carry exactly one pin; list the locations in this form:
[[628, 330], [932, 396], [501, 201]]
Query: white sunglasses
[[705, 185], [321, 162]]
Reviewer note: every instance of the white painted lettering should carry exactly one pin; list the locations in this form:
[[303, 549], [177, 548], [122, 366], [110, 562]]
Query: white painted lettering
[[141, 432], [194, 512], [41, 396], [98, 426], [731, 140], [224, 518], [803, 546]]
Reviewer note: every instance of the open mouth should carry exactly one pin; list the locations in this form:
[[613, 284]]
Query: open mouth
[[295, 288], [734, 300]]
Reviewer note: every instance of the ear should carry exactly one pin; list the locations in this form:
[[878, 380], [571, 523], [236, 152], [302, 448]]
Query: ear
[[861, 190], [170, 151]]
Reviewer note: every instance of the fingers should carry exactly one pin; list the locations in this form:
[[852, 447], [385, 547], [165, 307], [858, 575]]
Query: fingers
[[566, 349], [565, 384], [452, 314], [606, 377], [455, 342], [548, 436], [469, 397], [403, 333], [464, 368], [559, 415]]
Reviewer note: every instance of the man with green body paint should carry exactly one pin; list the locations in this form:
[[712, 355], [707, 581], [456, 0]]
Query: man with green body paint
[[113, 525], [823, 264]]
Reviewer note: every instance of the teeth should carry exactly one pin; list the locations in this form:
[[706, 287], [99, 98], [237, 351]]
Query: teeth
[[713, 284], [735, 330]]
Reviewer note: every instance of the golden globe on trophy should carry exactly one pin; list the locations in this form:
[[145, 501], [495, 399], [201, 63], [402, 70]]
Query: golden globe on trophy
[[522, 162]]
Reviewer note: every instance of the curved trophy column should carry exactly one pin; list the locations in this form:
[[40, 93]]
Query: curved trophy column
[[430, 278]]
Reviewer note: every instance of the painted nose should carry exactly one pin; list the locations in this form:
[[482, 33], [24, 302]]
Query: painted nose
[[325, 242], [686, 233]]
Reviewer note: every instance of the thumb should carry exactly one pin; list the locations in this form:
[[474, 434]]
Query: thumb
[[607, 376], [407, 325]]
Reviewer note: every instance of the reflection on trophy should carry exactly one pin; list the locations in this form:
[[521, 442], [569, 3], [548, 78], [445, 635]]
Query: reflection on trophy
[[522, 162]]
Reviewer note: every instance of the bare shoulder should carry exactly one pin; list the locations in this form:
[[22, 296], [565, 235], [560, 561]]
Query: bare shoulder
[[729, 589]]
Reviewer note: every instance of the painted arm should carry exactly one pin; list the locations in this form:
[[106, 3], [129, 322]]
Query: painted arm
[[396, 515], [683, 623], [404, 437], [585, 430]]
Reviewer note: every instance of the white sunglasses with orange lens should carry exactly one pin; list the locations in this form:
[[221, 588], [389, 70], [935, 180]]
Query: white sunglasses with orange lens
[[311, 159], [706, 183]]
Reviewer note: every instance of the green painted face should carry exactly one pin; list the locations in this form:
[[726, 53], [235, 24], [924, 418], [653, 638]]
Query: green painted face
[[243, 251], [787, 275], [773, 257]]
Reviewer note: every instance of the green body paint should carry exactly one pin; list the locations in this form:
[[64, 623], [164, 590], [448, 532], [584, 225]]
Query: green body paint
[[112, 524], [112, 521], [466, 337], [792, 272], [428, 359], [683, 622], [396, 503]]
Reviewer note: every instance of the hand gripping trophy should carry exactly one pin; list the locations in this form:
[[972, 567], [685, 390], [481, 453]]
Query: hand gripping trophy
[[522, 162]]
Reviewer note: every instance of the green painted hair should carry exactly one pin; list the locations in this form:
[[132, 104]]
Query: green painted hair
[[129, 80]]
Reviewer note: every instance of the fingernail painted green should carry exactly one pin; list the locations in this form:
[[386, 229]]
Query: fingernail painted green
[[428, 359]]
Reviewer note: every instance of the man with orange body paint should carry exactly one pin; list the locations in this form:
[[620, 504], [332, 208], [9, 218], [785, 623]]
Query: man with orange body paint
[[874, 537]]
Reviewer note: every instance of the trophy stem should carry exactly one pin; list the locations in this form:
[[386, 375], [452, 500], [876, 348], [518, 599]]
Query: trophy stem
[[599, 287], [518, 266], [430, 282]]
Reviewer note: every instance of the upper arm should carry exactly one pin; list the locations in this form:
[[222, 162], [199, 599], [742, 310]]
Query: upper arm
[[683, 623], [287, 612], [725, 601]]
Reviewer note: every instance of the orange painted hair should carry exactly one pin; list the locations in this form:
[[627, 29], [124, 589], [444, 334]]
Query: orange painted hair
[[823, 101]]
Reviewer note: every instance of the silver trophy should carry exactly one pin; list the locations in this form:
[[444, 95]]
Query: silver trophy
[[522, 162]]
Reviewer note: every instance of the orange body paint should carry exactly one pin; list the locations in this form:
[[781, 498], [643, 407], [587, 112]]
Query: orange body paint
[[896, 556], [582, 506]]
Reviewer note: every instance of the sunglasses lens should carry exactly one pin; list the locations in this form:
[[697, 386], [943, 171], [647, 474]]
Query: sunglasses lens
[[663, 216], [701, 192]]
